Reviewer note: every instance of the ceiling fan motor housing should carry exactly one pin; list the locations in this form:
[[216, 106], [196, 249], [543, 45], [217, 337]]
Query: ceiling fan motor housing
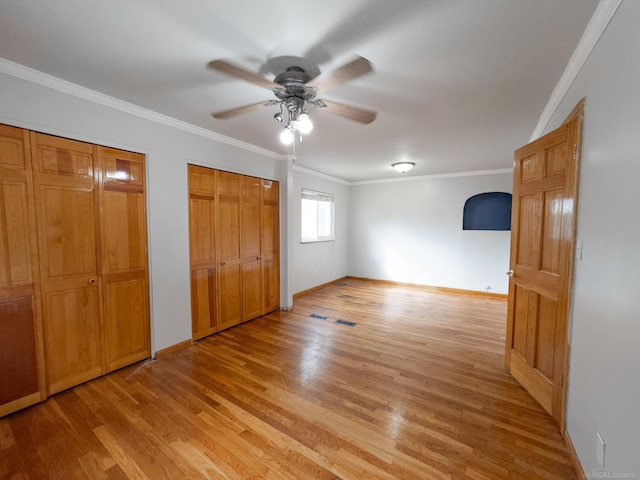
[[293, 81]]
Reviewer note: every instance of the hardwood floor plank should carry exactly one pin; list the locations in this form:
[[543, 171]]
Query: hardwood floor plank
[[126, 463], [416, 389]]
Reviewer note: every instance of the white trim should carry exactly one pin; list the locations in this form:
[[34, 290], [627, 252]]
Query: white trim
[[438, 175], [63, 86], [297, 168], [597, 25], [403, 178]]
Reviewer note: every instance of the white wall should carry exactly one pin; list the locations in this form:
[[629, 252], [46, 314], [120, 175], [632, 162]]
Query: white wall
[[604, 380], [411, 231], [168, 151], [318, 263]]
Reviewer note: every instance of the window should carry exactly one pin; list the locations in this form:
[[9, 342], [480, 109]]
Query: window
[[317, 217]]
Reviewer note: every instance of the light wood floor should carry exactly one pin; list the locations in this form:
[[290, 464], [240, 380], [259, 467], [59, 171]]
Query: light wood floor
[[415, 390]]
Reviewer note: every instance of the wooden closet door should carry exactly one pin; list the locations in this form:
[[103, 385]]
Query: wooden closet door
[[270, 230], [202, 251], [66, 211], [22, 381], [124, 257], [252, 290], [228, 248]]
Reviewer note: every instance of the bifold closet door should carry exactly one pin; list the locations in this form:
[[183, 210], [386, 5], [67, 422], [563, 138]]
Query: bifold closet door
[[67, 212], [22, 381], [234, 248], [91, 215]]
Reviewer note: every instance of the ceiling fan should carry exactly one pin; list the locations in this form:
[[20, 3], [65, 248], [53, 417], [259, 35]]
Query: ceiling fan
[[294, 88]]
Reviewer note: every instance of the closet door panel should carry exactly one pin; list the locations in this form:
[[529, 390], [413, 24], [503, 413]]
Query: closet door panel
[[72, 323], [204, 316], [68, 233], [73, 339], [22, 379], [271, 244], [251, 205], [126, 322], [124, 231], [230, 278], [202, 252], [66, 211], [202, 231], [18, 364], [19, 356], [228, 248], [270, 216], [252, 290], [124, 258], [15, 258], [251, 248], [271, 268], [228, 231]]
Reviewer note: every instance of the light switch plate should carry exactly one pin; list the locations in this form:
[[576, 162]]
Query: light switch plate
[[600, 450]]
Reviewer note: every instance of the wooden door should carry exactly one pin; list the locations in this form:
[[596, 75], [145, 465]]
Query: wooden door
[[124, 257], [202, 251], [228, 248], [68, 231], [270, 231], [252, 281], [542, 243], [22, 380]]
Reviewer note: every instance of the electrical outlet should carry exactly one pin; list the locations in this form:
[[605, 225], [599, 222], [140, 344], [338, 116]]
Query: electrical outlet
[[600, 450]]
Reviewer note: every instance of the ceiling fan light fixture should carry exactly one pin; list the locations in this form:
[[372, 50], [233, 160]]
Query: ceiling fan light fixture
[[305, 125], [287, 136], [403, 167]]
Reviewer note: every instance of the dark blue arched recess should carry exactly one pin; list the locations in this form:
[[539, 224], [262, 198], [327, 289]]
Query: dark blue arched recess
[[487, 211]]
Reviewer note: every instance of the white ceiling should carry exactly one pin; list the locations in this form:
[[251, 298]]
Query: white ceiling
[[458, 84]]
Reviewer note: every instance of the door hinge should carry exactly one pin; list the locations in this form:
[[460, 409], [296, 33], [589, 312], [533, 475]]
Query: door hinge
[[575, 151]]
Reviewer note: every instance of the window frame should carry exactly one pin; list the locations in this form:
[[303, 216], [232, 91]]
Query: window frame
[[318, 197]]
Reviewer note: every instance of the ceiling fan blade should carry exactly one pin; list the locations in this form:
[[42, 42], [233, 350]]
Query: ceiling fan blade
[[237, 111], [353, 113], [238, 72], [335, 78]]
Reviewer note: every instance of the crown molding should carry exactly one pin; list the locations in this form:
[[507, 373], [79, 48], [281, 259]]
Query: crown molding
[[475, 173], [596, 27], [49, 81], [308, 171]]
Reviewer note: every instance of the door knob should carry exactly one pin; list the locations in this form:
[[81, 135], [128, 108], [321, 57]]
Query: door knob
[[511, 273], [92, 281]]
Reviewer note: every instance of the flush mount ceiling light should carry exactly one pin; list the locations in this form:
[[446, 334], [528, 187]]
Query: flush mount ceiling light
[[403, 167]]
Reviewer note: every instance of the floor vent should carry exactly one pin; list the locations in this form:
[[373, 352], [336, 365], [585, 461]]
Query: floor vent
[[347, 323], [315, 315]]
